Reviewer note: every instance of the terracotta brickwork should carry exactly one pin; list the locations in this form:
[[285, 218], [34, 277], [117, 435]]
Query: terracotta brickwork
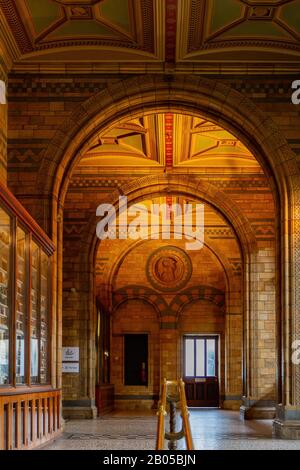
[[39, 106], [51, 124], [135, 316], [80, 207]]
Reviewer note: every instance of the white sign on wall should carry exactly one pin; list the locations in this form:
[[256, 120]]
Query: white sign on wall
[[70, 367], [70, 354]]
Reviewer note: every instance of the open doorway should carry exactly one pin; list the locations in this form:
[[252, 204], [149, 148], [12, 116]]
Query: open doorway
[[136, 359]]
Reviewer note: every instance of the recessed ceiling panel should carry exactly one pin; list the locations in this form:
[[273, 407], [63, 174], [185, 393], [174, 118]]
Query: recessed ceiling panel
[[234, 29], [43, 26]]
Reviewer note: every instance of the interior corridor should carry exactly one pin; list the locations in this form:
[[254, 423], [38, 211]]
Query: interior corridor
[[212, 429], [149, 222]]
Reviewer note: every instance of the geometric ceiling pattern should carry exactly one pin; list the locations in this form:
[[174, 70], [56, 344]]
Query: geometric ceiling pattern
[[147, 34], [195, 142], [198, 142], [47, 25], [130, 143], [230, 27]]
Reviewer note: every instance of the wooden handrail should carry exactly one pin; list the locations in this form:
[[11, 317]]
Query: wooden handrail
[[162, 412]]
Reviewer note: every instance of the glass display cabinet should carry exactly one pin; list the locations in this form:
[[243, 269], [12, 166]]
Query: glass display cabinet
[[29, 406]]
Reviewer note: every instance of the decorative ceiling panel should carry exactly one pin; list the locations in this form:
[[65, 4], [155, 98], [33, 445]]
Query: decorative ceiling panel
[[239, 30], [144, 142], [153, 35], [43, 26], [203, 144], [129, 144]]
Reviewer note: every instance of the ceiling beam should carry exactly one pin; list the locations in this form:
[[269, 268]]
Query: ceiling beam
[[171, 28]]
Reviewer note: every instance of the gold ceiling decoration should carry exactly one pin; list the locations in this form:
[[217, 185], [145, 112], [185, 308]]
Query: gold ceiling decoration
[[56, 29], [200, 143], [197, 143], [152, 35], [129, 144], [241, 30]]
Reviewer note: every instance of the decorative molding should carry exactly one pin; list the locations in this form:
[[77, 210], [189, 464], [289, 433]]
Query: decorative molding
[[168, 269], [147, 12], [219, 232], [141, 12], [14, 20], [250, 42], [170, 31], [131, 292], [203, 292], [168, 135], [158, 66], [237, 266], [196, 38], [172, 309]]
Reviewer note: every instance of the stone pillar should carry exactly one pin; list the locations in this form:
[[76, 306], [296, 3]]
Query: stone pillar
[[287, 422], [78, 331], [233, 358], [259, 400], [168, 351], [3, 125]]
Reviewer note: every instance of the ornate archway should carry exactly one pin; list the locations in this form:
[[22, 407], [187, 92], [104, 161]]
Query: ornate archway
[[232, 110]]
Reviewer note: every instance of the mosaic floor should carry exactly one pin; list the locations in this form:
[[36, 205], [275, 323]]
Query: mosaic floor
[[211, 429]]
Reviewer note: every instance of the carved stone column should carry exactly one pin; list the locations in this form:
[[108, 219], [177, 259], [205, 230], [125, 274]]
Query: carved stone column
[[287, 422]]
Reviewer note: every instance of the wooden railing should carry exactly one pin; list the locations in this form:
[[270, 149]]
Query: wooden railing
[[172, 436], [30, 419]]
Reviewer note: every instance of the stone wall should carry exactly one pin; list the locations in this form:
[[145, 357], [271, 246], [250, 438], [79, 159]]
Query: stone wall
[[135, 316]]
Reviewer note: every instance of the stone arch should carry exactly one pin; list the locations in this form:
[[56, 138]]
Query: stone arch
[[151, 186], [138, 292], [185, 94], [226, 266], [156, 185], [233, 111], [203, 292]]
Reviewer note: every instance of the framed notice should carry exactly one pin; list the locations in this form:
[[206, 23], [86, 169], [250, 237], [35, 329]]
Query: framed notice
[[70, 354], [70, 367]]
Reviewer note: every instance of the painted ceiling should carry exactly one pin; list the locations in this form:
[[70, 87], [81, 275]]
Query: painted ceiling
[[230, 28], [145, 142], [94, 29], [150, 33]]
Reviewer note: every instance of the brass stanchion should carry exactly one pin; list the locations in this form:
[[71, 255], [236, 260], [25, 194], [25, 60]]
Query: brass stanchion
[[172, 436]]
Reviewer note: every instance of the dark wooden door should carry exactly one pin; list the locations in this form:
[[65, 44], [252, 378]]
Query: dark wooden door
[[201, 370]]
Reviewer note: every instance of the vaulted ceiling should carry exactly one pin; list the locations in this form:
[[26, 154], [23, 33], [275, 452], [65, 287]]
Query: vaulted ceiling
[[151, 35], [176, 141]]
